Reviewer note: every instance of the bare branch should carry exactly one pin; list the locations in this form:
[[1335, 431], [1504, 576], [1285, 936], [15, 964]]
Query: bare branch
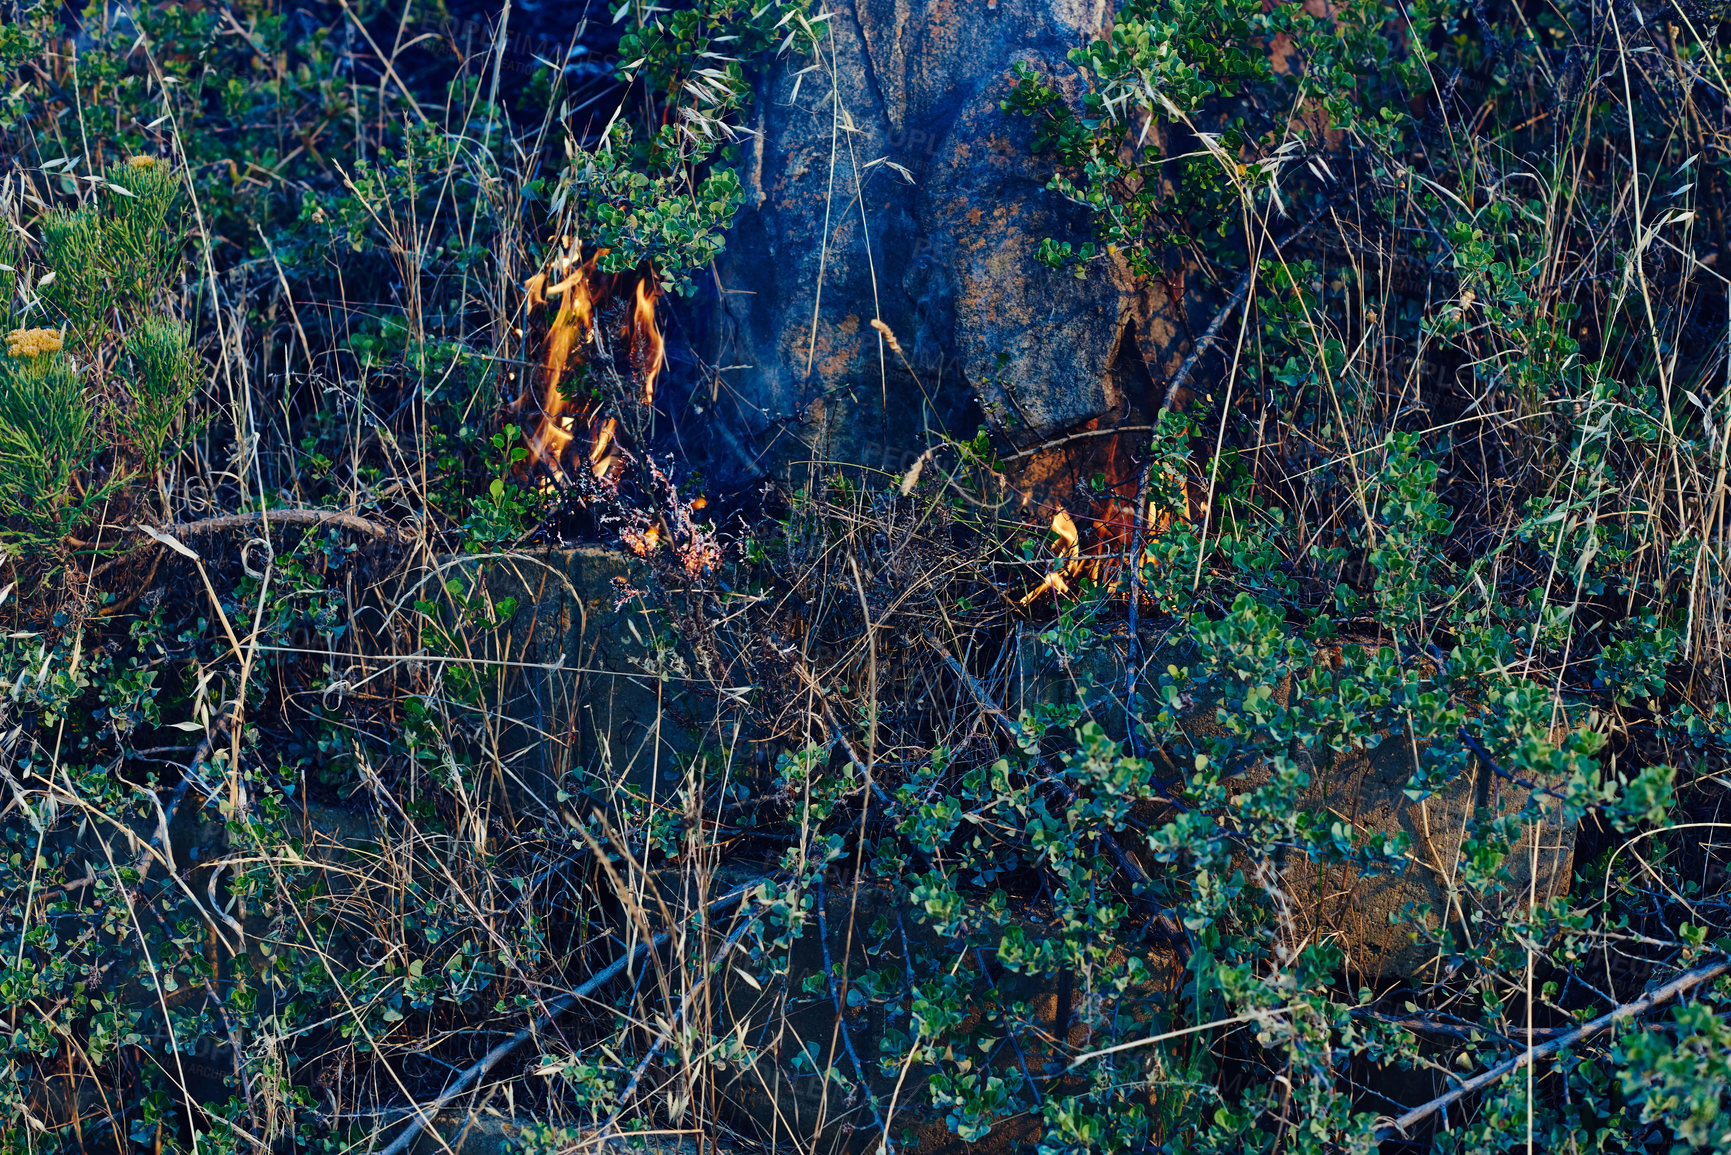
[[1688, 980]]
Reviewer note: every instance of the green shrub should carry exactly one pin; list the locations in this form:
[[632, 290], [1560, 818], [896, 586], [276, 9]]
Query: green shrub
[[111, 259], [48, 442], [1478, 515], [162, 382]]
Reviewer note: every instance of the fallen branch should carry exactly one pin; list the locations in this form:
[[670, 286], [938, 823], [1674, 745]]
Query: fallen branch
[[425, 1115], [630, 1092], [1399, 1128], [282, 517]]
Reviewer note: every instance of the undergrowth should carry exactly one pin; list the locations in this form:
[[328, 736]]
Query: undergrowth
[[952, 824]]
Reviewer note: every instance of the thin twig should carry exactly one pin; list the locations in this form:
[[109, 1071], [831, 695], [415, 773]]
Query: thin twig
[[1210, 335], [1399, 1128], [1490, 763], [838, 735], [1144, 477], [841, 1018], [1021, 1058], [424, 1115], [667, 1032], [1084, 435]]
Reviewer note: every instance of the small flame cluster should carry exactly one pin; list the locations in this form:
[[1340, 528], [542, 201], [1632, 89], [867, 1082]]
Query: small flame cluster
[[694, 545], [575, 445], [1115, 532], [1068, 564], [571, 436], [1111, 526]]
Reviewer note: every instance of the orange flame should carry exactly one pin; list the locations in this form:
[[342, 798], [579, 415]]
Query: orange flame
[[642, 542], [601, 455], [648, 350], [1097, 472], [579, 292], [1058, 579], [570, 328]]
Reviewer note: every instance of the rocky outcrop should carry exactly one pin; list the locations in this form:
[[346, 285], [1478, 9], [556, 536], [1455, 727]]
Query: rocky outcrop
[[885, 183], [581, 693]]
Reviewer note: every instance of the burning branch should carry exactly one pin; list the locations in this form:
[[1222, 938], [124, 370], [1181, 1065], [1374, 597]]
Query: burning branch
[[570, 437], [648, 350]]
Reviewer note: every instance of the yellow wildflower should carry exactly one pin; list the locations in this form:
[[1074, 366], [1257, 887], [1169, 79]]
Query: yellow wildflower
[[141, 162], [33, 342]]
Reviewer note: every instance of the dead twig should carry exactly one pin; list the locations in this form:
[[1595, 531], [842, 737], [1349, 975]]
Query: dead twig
[[424, 1115], [281, 517], [1688, 980]]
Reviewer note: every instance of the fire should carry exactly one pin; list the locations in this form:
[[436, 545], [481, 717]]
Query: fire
[[1096, 471], [648, 350], [572, 326], [1071, 556], [1114, 530], [577, 293], [601, 455], [1109, 563]]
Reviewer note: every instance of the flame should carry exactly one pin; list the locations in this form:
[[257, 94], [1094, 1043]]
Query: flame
[[648, 350], [1097, 471], [642, 542], [601, 455], [576, 292], [571, 327], [1064, 528]]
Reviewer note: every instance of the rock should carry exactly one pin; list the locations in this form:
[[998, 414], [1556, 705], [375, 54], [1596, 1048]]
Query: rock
[[581, 690], [903, 87], [1373, 917]]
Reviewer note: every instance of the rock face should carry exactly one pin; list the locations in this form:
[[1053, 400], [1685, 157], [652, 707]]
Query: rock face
[[1372, 917], [1363, 913], [886, 183], [581, 687]]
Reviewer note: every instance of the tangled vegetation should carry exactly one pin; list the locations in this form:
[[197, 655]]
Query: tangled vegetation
[[950, 830]]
